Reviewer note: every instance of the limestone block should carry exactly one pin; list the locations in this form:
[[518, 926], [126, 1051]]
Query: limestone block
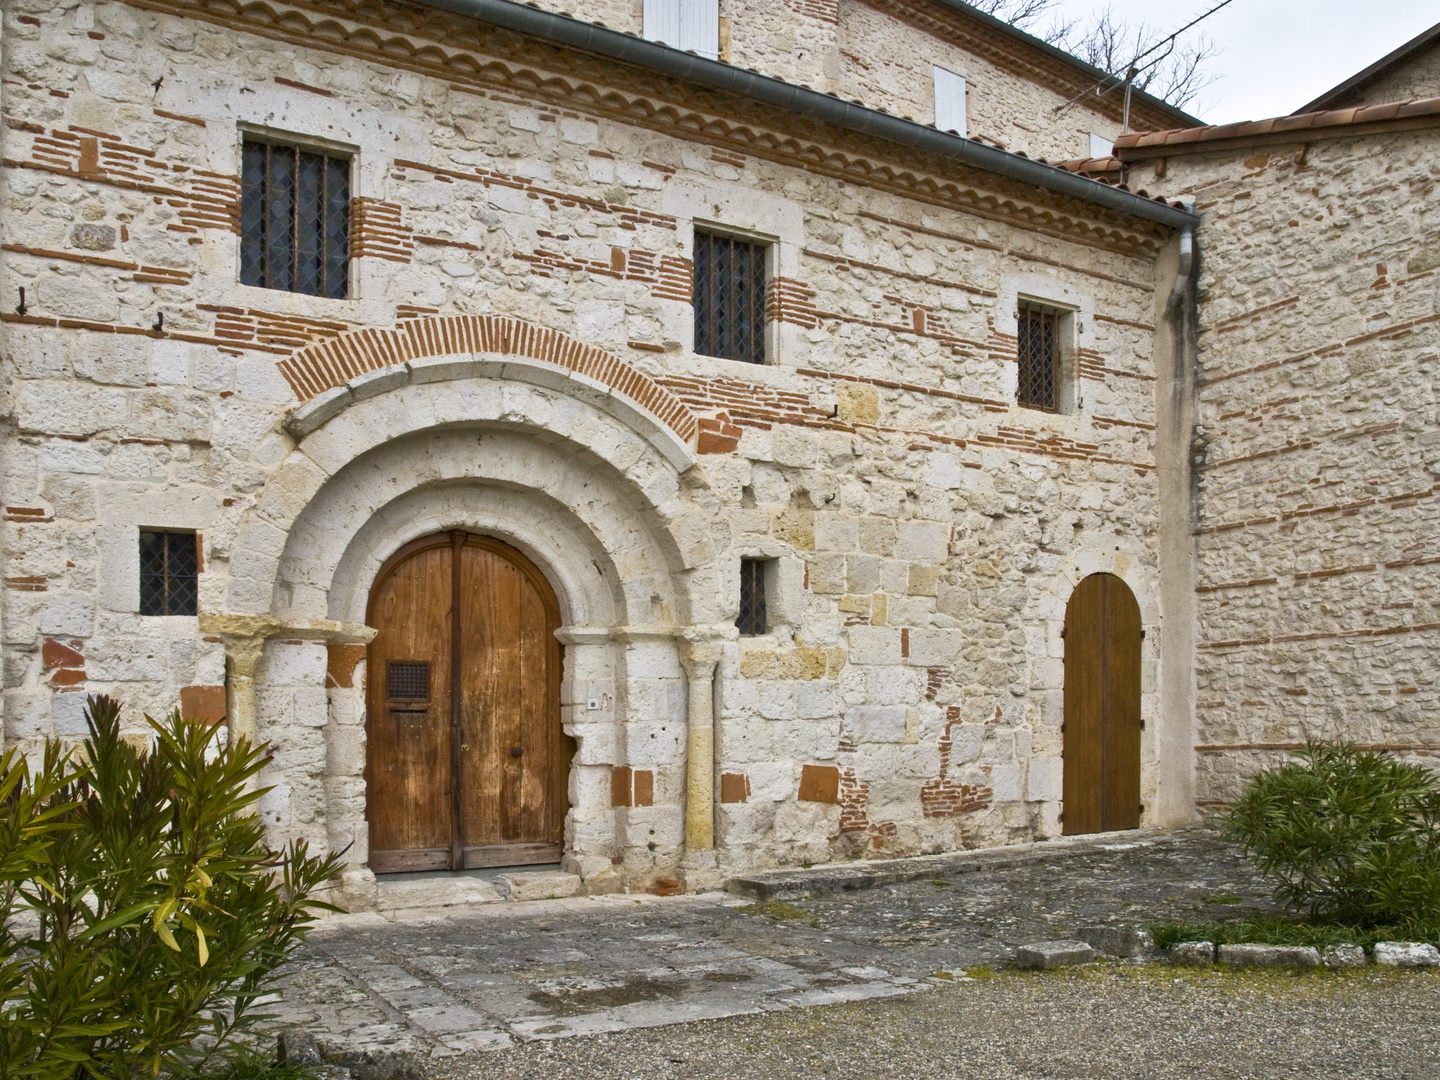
[[1118, 940], [922, 541], [835, 532], [69, 408], [874, 645], [1192, 953], [772, 780], [67, 615], [1048, 955], [1269, 956], [1044, 780], [293, 664], [876, 723], [1005, 780], [1343, 956], [1405, 954]]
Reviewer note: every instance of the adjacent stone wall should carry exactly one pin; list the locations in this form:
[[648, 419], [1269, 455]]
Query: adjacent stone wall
[[1317, 447], [1419, 78], [926, 532]]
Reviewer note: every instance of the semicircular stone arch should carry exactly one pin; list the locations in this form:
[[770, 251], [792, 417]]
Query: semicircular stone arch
[[329, 376]]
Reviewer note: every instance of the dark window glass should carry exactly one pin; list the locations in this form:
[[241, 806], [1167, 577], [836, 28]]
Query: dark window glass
[[1037, 359], [294, 220], [752, 597], [169, 573], [729, 298]]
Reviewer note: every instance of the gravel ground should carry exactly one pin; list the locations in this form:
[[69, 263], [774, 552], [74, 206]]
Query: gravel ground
[[1106, 1022]]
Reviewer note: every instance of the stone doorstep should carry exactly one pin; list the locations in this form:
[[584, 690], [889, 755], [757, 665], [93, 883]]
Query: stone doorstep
[[870, 874], [440, 895]]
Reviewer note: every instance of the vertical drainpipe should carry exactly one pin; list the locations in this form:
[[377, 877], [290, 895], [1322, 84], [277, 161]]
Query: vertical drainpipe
[[1175, 405]]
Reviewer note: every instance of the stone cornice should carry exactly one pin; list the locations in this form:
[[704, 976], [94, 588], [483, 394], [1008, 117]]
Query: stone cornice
[[472, 53]]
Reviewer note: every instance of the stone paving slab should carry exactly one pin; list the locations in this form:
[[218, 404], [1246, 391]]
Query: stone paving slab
[[503, 973]]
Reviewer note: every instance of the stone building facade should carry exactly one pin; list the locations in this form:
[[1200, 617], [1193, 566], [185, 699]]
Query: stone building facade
[[512, 355], [1316, 445]]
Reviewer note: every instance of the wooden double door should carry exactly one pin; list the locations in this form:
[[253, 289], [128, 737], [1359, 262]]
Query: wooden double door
[[466, 762], [1102, 707]]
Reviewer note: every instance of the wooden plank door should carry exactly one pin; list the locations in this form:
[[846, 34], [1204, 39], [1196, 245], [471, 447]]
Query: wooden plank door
[[1102, 707], [516, 759], [464, 672], [408, 706]]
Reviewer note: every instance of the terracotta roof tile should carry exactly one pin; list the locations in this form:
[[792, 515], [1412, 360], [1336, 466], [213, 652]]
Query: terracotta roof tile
[[1315, 121]]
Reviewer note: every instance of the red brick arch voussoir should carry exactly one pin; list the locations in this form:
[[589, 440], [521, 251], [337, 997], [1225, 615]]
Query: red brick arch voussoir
[[320, 367]]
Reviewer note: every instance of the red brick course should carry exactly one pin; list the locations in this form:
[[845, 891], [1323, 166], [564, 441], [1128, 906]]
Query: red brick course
[[327, 364]]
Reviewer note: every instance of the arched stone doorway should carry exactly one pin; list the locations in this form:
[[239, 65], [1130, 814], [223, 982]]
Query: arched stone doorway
[[467, 765], [1102, 707]]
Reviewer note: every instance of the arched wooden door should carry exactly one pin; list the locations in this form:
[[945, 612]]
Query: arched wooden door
[[466, 762], [1102, 707]]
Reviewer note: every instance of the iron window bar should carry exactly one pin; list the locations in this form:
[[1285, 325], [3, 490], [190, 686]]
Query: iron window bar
[[1037, 356], [729, 298], [169, 573], [294, 219], [752, 620]]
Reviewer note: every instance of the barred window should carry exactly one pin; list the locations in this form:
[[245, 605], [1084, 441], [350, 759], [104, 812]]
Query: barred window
[[169, 573], [1038, 356], [294, 219], [729, 298], [752, 620]]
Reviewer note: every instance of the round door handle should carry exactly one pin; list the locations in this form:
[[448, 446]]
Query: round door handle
[[517, 751], [464, 747]]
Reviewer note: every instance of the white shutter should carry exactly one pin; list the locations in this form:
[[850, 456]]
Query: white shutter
[[700, 27], [1100, 146], [950, 101], [662, 22], [687, 25]]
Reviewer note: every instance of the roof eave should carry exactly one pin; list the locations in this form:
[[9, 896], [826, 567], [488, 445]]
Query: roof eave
[[626, 48]]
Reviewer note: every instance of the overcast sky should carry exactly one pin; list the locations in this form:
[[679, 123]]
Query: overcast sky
[[1278, 54]]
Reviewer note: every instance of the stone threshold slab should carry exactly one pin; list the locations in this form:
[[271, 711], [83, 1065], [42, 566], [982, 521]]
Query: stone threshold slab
[[829, 878]]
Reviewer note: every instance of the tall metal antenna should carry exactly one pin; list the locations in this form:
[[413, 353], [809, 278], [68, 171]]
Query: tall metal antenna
[[1134, 68]]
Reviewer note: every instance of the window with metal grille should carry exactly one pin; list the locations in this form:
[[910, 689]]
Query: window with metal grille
[[729, 298], [752, 597], [169, 573], [1038, 356], [407, 680], [294, 219]]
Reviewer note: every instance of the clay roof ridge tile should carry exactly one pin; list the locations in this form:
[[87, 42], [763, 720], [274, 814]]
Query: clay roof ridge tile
[[1419, 107]]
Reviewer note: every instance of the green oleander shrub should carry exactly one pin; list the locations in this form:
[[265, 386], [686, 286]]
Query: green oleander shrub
[[1348, 837], [144, 916]]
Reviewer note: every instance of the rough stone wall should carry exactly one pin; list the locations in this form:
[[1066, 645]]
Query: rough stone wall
[[888, 64], [1418, 78], [1317, 448], [863, 53], [926, 531]]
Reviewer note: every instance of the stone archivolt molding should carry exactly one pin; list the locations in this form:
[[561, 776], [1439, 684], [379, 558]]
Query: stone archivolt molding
[[330, 375], [412, 37]]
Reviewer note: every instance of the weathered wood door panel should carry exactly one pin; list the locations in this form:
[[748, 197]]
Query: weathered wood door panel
[[468, 765], [1102, 707]]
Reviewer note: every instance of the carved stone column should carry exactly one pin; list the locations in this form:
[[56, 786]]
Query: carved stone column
[[699, 660]]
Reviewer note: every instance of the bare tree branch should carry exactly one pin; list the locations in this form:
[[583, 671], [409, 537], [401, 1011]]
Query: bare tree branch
[[1177, 75]]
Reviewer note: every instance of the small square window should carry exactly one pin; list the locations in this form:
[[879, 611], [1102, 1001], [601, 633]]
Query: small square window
[[169, 573], [1039, 359], [730, 298], [294, 219], [753, 620]]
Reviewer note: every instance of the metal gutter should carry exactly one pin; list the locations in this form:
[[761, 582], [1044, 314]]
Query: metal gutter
[[592, 38]]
